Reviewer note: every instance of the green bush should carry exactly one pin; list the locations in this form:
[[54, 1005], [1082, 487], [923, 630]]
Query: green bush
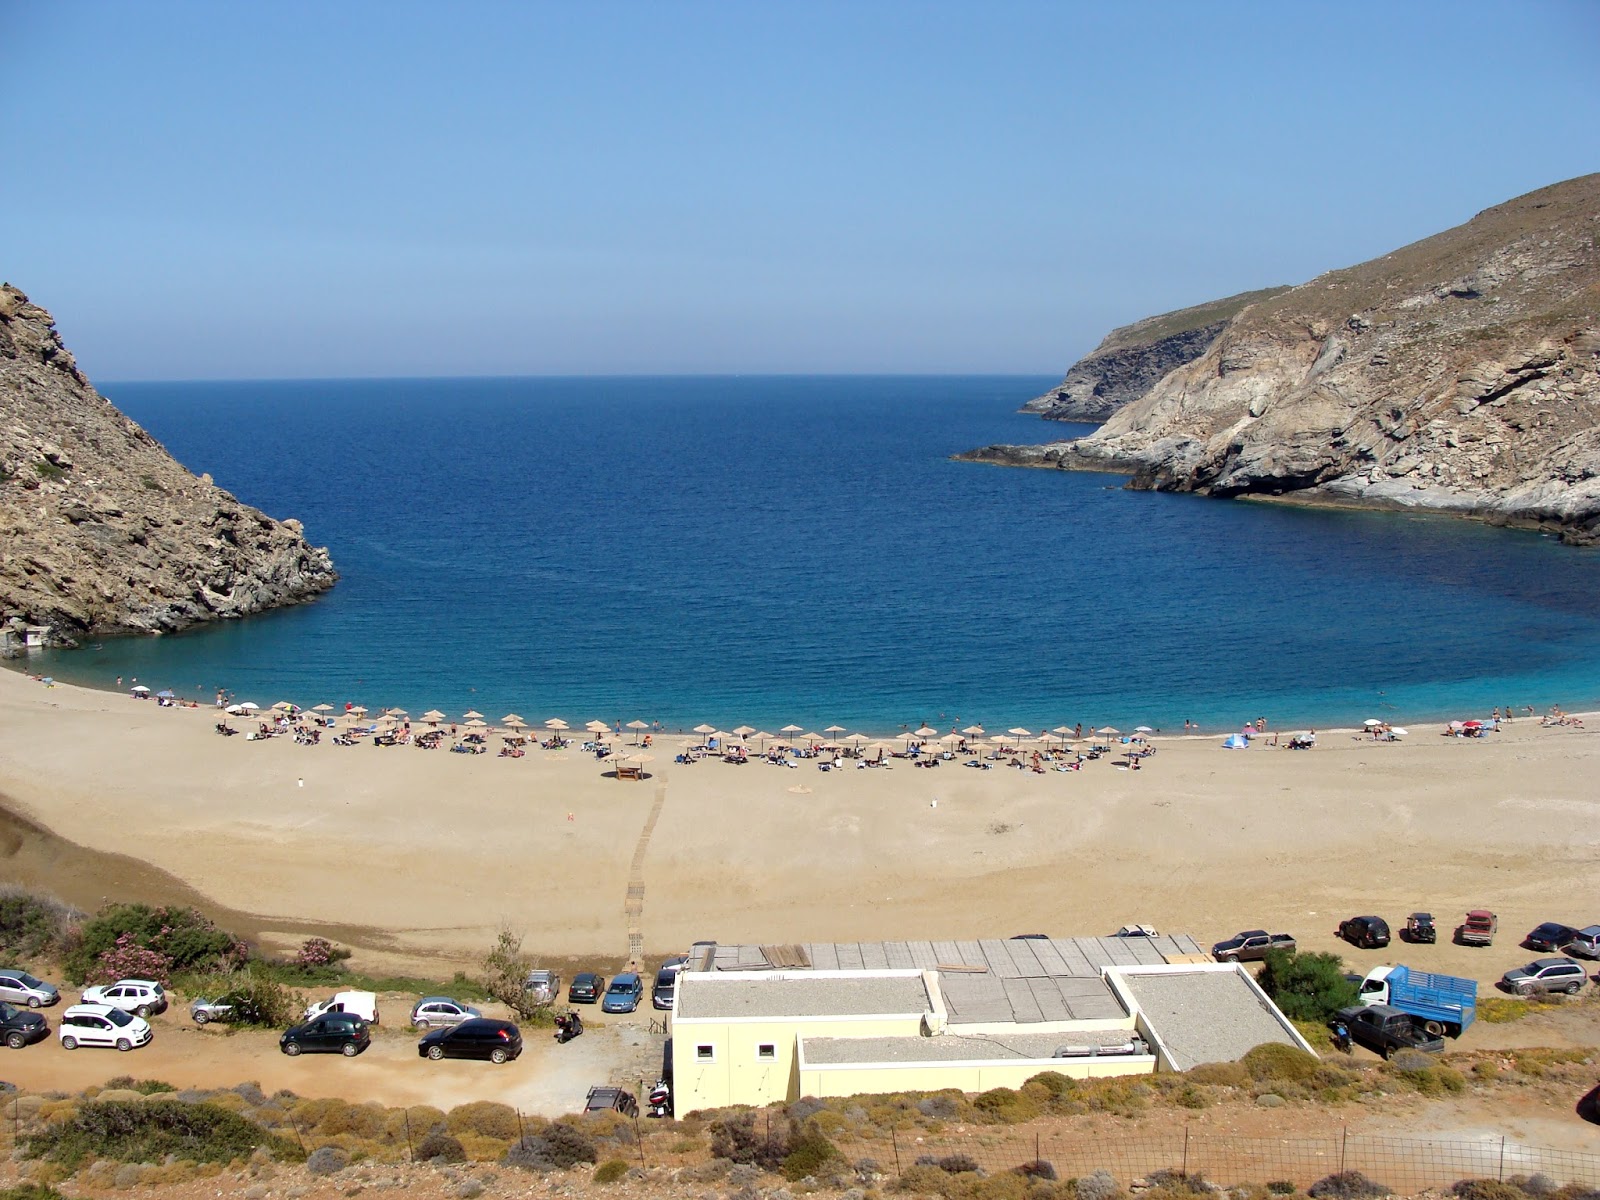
[[148, 1131], [736, 1138], [613, 1170], [1273, 1062], [1347, 1185], [31, 924], [1005, 1106], [183, 935], [145, 1087], [440, 1146], [1486, 1189], [809, 1152], [30, 1191], [1054, 1082], [1307, 987], [556, 1147], [1228, 1074], [487, 1118], [259, 1001]]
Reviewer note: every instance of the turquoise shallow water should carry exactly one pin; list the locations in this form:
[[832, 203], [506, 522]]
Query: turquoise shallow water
[[799, 549]]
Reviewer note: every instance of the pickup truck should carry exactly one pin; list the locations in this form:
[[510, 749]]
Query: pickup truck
[[1442, 1004], [1251, 945], [1384, 1029]]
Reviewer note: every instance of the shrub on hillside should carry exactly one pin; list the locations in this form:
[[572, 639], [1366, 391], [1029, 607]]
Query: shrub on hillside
[[810, 1152], [327, 1160], [258, 1000], [148, 1131], [439, 1146], [1486, 1189], [1347, 1185], [30, 1191], [613, 1170], [736, 1138], [32, 924], [1005, 1106], [1226, 1074], [1096, 1186], [1039, 1169], [1307, 987], [1273, 1062], [556, 1147], [487, 1118], [184, 937]]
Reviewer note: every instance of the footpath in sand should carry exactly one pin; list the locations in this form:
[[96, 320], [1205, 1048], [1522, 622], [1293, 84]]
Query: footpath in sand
[[416, 856]]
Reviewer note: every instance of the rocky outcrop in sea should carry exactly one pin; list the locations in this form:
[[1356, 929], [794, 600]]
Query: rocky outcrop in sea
[[102, 532], [1460, 374]]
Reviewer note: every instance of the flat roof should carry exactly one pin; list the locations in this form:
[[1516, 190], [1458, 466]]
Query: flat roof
[[988, 981], [800, 994], [1205, 1016], [951, 1047]]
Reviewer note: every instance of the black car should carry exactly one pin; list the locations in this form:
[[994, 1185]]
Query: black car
[[19, 1027], [665, 989], [586, 988], [1551, 936], [611, 1099], [331, 1033], [498, 1041], [1366, 932]]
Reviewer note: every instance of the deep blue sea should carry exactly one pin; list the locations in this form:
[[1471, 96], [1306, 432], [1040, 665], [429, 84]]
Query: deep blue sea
[[777, 550]]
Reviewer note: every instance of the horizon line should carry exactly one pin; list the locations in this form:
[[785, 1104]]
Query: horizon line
[[114, 382]]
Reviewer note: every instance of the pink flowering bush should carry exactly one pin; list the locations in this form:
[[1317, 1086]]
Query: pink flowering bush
[[129, 960]]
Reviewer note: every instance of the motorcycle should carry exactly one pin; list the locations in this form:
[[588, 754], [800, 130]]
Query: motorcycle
[[568, 1026], [661, 1099], [1341, 1037]]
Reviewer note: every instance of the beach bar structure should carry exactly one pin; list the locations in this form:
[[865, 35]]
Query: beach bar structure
[[764, 1024]]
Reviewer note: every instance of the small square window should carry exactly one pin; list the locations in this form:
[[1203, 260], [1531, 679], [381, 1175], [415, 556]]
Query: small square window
[[705, 1053], [766, 1050]]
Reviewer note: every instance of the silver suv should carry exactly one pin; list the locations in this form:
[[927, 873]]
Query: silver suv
[[1544, 975], [543, 986], [1585, 943]]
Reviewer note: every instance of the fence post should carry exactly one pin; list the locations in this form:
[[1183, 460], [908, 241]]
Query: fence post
[[1037, 1157], [295, 1125], [411, 1153], [1502, 1158], [639, 1141], [522, 1131], [1186, 1149], [1344, 1142], [895, 1142]]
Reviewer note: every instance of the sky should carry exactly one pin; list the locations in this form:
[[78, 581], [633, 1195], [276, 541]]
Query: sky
[[384, 188]]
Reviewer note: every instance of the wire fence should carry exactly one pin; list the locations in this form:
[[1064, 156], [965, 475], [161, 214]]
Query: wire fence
[[1402, 1164]]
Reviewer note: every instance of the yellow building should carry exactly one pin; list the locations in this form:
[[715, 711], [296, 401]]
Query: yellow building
[[979, 1015]]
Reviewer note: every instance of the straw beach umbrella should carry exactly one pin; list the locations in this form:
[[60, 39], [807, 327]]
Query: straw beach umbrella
[[471, 714], [927, 732], [743, 731], [791, 730], [834, 729], [973, 731], [638, 727]]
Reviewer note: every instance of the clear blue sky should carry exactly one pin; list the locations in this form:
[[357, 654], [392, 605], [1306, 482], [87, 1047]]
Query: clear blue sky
[[226, 190]]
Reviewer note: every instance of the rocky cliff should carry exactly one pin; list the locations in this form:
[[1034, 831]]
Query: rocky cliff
[[1132, 359], [101, 531], [1459, 374]]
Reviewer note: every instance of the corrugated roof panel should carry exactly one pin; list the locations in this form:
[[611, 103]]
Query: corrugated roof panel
[[1094, 952], [1022, 951], [874, 955], [971, 953], [1047, 995], [1072, 955], [999, 958], [824, 956], [946, 952], [849, 956], [923, 955], [1120, 950], [1049, 957], [898, 955]]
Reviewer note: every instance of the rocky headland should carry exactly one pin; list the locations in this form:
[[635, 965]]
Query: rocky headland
[[1132, 359], [1459, 374], [104, 532]]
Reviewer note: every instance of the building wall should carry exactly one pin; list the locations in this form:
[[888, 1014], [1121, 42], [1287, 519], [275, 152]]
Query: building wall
[[737, 1073], [855, 1079]]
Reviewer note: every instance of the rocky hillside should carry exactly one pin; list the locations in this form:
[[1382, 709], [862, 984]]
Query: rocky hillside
[[1133, 359], [104, 532], [1459, 374]]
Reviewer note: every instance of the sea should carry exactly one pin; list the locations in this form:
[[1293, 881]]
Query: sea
[[801, 551]]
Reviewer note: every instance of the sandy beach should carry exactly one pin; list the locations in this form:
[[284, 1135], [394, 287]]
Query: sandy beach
[[414, 856]]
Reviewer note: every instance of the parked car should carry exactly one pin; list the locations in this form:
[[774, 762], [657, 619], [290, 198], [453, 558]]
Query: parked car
[[1478, 929], [586, 988], [18, 987], [329, 1033], [20, 1027], [1585, 943], [102, 1025], [623, 995], [1384, 1029], [1420, 929], [1545, 975], [544, 985], [1550, 936], [497, 1041], [230, 1006], [141, 997], [1251, 945], [611, 1099], [1144, 931], [1367, 932], [666, 988], [441, 1010]]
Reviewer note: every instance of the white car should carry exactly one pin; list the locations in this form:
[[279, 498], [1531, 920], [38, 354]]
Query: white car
[[102, 1025], [138, 996]]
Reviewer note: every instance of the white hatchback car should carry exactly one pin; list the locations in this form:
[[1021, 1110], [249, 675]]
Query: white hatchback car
[[138, 996], [102, 1025]]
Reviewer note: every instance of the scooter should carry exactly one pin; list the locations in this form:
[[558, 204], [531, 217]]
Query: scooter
[[568, 1026], [1341, 1037], [661, 1099]]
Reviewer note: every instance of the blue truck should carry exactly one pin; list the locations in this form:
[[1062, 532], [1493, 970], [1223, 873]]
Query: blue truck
[[1441, 1004]]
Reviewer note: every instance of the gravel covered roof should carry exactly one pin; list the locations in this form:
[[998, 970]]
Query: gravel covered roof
[[954, 1047], [799, 995], [1205, 1016]]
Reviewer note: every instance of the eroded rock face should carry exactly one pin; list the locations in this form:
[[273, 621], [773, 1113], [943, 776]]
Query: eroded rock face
[[1458, 374], [1134, 358], [102, 532]]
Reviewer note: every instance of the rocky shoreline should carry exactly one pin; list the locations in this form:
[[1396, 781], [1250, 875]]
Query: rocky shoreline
[[105, 532], [1459, 375]]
